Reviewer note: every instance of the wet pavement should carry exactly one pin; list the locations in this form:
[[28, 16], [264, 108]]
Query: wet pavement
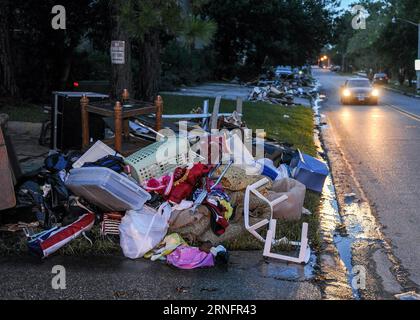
[[247, 276], [373, 151]]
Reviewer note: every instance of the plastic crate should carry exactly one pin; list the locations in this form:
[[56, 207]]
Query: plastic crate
[[160, 158], [96, 152], [107, 189]]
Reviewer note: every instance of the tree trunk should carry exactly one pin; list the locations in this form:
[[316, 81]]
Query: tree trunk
[[7, 76], [121, 75], [149, 59], [67, 64]]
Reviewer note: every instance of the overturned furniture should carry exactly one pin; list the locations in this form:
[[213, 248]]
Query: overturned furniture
[[269, 241]]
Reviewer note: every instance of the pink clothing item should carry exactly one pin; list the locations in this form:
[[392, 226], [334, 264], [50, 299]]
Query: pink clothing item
[[186, 257], [162, 185]]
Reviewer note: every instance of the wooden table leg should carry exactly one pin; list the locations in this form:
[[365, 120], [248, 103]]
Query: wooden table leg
[[118, 126], [84, 101], [126, 128]]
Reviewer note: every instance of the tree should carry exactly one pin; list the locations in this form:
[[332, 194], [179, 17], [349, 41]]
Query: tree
[[121, 75], [383, 46], [152, 24], [7, 74], [44, 57], [197, 29], [147, 21], [282, 32]]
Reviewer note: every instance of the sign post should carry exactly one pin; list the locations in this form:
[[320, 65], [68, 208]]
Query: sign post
[[118, 52]]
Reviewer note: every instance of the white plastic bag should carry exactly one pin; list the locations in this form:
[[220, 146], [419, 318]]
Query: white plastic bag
[[141, 230]]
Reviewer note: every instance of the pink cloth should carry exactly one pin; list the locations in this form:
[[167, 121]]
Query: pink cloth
[[185, 257]]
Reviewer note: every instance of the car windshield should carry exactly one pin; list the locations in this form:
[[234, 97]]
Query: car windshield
[[358, 84], [380, 75]]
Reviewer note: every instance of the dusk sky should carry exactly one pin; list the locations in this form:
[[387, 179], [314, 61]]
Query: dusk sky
[[345, 3]]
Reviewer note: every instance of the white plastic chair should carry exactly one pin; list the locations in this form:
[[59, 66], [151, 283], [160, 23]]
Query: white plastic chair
[[304, 252]]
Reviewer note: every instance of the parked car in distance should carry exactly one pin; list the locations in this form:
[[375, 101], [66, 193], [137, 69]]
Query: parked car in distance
[[380, 78], [335, 68], [358, 91], [283, 71]]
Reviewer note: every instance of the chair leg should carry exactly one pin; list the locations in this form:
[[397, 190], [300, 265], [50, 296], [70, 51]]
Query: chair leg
[[303, 252]]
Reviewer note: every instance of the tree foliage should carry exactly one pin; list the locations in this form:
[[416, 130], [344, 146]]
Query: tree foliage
[[286, 32], [383, 45], [182, 40]]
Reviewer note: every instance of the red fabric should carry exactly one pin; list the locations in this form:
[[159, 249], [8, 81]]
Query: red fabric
[[185, 186], [69, 231]]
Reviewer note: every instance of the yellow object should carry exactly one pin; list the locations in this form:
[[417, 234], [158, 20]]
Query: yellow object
[[229, 209], [170, 243]]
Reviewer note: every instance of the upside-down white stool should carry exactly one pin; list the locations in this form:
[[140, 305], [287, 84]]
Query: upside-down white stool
[[269, 241]]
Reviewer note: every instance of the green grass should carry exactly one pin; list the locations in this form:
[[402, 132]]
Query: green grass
[[297, 129], [25, 112], [16, 244], [404, 88]]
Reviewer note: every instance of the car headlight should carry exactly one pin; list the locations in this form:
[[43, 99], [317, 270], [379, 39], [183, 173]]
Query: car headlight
[[375, 92], [346, 93]]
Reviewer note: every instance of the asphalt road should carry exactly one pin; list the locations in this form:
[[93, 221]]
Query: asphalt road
[[382, 145]]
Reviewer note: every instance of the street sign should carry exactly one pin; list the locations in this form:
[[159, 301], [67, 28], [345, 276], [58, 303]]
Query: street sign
[[118, 52], [418, 65]]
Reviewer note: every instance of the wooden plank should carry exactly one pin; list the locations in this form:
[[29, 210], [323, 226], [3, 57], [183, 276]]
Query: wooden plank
[[215, 114], [7, 196]]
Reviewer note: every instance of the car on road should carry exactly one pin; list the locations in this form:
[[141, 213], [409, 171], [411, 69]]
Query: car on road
[[358, 91], [380, 78], [283, 71]]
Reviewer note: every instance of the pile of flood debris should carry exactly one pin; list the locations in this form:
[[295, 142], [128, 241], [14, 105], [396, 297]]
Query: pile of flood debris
[[177, 199], [283, 85]]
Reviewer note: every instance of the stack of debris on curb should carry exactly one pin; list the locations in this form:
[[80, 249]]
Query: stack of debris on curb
[[177, 199], [283, 86]]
